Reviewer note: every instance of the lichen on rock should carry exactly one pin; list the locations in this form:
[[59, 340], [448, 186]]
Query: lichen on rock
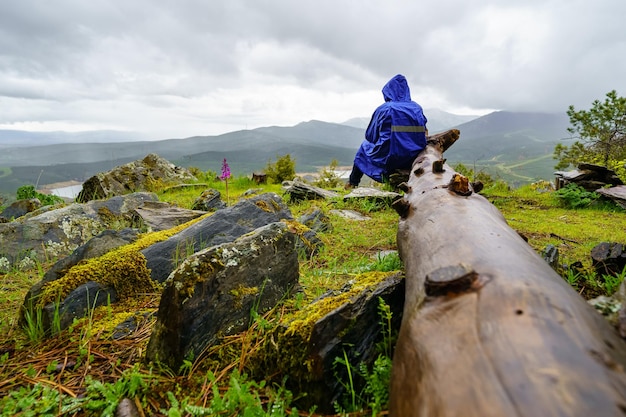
[[304, 349], [212, 293], [123, 270], [148, 174]]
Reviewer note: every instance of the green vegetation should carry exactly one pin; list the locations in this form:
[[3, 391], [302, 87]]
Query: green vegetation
[[375, 394], [571, 220], [474, 175], [82, 371], [28, 191], [82, 365], [328, 176], [574, 196], [601, 134], [284, 169]]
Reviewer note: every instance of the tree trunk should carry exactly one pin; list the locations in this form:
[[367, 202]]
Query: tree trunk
[[489, 329]]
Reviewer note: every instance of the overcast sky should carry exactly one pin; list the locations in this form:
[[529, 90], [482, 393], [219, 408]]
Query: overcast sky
[[176, 68]]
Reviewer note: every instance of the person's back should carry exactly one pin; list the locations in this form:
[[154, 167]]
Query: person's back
[[395, 136]]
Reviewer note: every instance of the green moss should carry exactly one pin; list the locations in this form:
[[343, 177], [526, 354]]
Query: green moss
[[157, 184], [124, 269], [300, 230], [105, 326], [305, 319], [263, 206], [287, 349], [106, 214], [240, 293]]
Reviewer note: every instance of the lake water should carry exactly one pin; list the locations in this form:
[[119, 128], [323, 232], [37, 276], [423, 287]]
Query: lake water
[[67, 192]]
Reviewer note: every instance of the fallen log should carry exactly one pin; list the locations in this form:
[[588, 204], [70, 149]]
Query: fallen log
[[488, 328]]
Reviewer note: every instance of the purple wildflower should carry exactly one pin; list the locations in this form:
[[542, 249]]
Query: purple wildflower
[[225, 170]]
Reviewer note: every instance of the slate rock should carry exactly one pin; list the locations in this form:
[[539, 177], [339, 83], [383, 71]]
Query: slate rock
[[78, 303], [352, 328], [159, 215], [350, 215], [309, 242], [223, 226], [551, 256], [127, 408], [589, 176], [209, 200], [212, 292], [19, 208], [317, 221], [140, 175], [93, 248], [601, 173], [617, 194], [252, 191], [57, 232], [608, 258], [130, 325], [372, 194], [157, 261], [300, 191]]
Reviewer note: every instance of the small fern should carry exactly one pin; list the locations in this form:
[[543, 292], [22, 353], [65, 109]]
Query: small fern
[[574, 196]]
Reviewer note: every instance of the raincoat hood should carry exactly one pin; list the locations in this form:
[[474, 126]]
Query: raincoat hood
[[397, 89]]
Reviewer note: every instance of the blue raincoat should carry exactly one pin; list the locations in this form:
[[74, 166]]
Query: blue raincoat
[[395, 135]]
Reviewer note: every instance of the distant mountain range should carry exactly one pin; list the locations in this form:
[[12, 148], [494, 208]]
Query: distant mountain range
[[514, 146], [438, 120], [21, 138]]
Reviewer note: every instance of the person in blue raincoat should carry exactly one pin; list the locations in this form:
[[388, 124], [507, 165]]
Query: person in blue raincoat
[[395, 135]]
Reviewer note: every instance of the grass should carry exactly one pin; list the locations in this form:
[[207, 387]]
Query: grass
[[82, 371], [541, 219]]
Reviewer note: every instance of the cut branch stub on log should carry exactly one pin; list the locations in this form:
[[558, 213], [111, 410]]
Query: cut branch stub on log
[[489, 329], [450, 279]]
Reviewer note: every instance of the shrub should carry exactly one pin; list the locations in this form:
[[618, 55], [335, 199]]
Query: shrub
[[328, 176], [196, 172], [283, 169], [26, 192]]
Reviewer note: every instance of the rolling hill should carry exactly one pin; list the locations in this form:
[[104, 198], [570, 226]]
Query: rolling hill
[[514, 146]]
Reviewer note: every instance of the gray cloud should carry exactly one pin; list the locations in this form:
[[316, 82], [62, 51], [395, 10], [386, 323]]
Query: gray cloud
[[198, 67]]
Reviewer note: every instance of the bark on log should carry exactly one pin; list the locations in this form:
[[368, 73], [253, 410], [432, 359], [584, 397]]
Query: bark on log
[[489, 329]]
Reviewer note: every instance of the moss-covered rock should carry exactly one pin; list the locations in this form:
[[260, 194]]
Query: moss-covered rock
[[304, 351], [56, 231], [19, 208], [223, 226], [95, 274], [212, 293], [134, 265], [148, 174], [209, 200]]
